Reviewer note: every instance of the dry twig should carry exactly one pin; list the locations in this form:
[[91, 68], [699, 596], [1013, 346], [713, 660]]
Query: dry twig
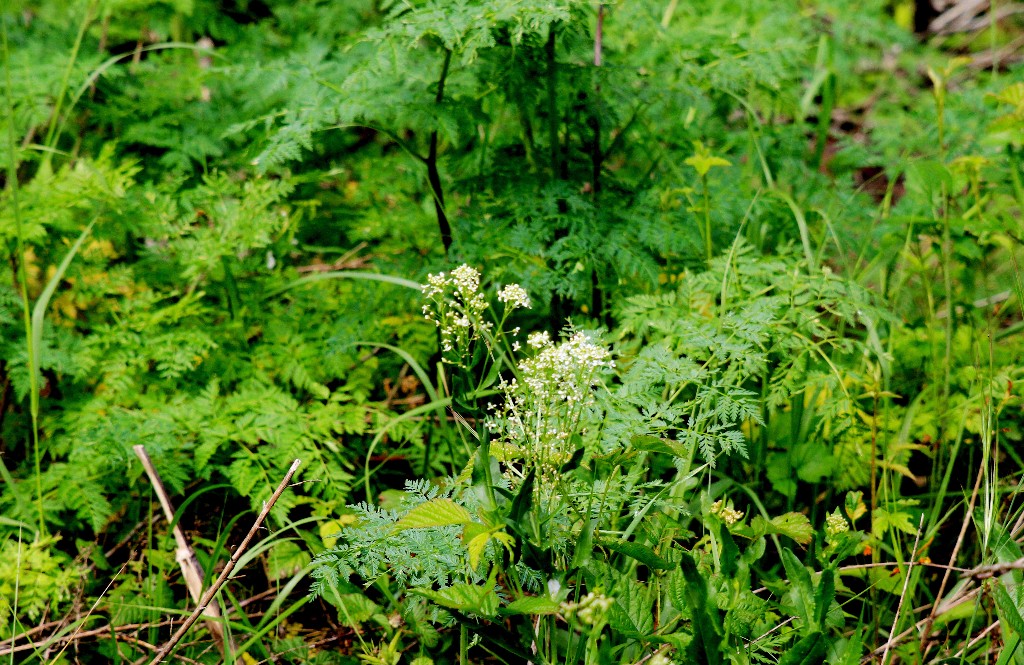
[[191, 569], [224, 574]]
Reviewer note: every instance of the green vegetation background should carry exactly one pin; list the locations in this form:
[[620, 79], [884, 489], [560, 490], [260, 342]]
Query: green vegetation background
[[795, 226]]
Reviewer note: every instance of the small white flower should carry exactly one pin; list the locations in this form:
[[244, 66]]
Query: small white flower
[[514, 296], [466, 279], [554, 587], [537, 340], [516, 346]]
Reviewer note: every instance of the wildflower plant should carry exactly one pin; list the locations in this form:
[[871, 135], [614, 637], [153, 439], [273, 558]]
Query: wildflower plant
[[545, 405], [456, 306], [547, 523]]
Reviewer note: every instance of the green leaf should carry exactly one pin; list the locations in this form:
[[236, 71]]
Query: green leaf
[[808, 651], [882, 520], [632, 612], [475, 538], [654, 444], [584, 544], [524, 499], [802, 590], [353, 608], [706, 647], [730, 556], [794, 525], [43, 302], [532, 605], [1013, 95], [703, 161], [824, 594], [434, 513], [284, 559], [641, 553], [854, 506], [1008, 610], [928, 179], [574, 461], [463, 597]]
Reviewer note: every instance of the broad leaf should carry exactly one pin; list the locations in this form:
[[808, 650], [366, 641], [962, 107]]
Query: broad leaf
[[434, 513]]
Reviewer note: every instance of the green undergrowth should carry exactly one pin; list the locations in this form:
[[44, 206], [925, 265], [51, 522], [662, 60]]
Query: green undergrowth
[[625, 332]]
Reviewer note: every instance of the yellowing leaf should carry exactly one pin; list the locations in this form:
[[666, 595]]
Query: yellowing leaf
[[329, 529], [476, 547], [475, 536], [703, 161], [1013, 95], [855, 507], [434, 513]]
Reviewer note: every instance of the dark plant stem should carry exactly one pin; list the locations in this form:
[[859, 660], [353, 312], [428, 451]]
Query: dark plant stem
[[433, 175], [596, 155], [552, 72], [5, 391]]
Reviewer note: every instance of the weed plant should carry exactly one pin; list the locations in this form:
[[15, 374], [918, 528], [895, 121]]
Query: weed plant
[[606, 332]]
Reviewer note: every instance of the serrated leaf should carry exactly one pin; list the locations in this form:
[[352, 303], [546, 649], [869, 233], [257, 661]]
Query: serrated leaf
[[434, 513], [330, 529], [476, 547], [794, 525], [883, 520], [702, 163], [632, 612], [854, 506], [475, 537]]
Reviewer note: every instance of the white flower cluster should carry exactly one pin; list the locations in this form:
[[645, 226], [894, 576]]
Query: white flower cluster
[[456, 306], [835, 526], [514, 296], [591, 609], [726, 512], [537, 340], [543, 408]]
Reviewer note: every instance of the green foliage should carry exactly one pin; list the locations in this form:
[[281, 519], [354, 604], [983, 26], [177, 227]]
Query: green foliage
[[740, 302], [35, 578]]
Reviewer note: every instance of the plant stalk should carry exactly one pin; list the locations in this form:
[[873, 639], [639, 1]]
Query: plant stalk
[[433, 175], [33, 377]]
